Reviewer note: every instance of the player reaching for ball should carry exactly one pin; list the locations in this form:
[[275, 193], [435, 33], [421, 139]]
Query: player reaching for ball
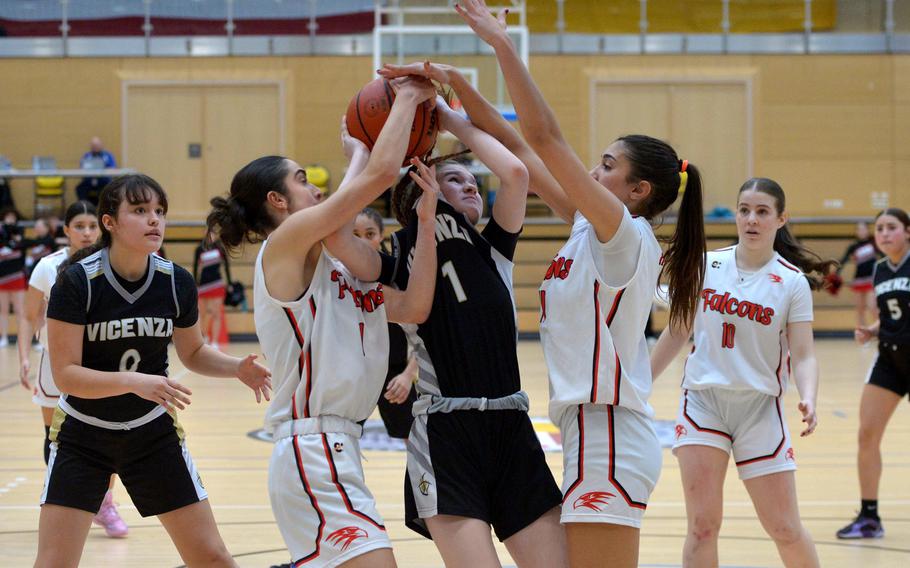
[[472, 448]]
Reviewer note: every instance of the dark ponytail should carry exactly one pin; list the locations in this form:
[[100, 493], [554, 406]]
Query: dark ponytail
[[405, 193], [243, 215], [132, 188], [785, 244], [656, 162]]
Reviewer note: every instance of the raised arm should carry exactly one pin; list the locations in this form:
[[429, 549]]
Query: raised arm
[[509, 208], [414, 304], [357, 256], [486, 117], [540, 128], [299, 232]]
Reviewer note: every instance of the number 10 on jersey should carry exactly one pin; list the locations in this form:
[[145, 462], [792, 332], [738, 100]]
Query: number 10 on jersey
[[729, 334]]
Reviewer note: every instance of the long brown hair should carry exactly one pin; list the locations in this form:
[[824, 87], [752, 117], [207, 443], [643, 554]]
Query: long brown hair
[[813, 266], [656, 162]]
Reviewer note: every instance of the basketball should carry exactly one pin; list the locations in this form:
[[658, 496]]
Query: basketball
[[369, 109]]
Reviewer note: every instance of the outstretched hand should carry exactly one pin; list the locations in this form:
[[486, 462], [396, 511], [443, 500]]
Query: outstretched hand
[[255, 376], [349, 144], [488, 27], [863, 334], [438, 72], [420, 88], [425, 177], [807, 408]]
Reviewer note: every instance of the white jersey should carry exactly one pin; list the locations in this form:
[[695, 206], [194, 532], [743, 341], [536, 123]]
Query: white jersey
[[595, 300], [328, 350], [43, 277], [741, 325]]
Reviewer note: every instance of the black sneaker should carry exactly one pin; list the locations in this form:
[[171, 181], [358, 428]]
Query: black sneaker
[[862, 527]]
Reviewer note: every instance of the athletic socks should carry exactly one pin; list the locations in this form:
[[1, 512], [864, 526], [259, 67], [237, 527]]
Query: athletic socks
[[869, 508]]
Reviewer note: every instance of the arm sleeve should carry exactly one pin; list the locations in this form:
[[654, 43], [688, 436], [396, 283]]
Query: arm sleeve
[[387, 271], [69, 297], [500, 239], [800, 302], [187, 298], [401, 247]]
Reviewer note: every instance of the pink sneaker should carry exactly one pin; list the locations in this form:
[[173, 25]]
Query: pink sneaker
[[109, 518]]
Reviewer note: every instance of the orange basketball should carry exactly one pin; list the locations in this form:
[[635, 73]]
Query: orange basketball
[[369, 109]]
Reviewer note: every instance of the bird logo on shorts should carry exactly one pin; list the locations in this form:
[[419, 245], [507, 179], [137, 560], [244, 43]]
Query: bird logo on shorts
[[681, 431], [790, 455], [343, 537], [338, 446], [424, 485], [593, 499]]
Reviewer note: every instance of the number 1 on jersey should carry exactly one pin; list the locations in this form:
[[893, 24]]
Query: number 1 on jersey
[[448, 270], [728, 336]]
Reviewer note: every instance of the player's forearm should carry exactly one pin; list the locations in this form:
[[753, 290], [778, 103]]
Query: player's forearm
[[805, 375], [208, 361], [422, 279], [667, 348], [483, 114], [89, 383]]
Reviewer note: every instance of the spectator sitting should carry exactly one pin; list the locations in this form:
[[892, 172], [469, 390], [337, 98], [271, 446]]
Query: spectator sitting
[[96, 158]]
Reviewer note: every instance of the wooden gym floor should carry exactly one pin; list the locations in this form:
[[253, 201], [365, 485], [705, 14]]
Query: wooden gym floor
[[234, 468]]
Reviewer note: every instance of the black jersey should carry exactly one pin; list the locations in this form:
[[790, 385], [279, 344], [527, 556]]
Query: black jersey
[[864, 255], [128, 325], [467, 346], [892, 292], [207, 262]]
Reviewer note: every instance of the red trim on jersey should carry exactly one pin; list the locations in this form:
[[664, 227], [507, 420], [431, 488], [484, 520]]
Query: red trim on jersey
[[780, 445], [613, 480], [596, 363], [693, 423], [304, 362], [790, 266], [341, 490], [301, 360], [581, 453], [543, 305], [362, 348], [780, 364], [617, 373], [686, 364], [309, 492]]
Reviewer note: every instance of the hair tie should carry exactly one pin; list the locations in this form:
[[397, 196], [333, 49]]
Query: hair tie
[[683, 175]]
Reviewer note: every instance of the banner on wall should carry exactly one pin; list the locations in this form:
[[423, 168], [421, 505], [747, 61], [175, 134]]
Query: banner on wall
[[42, 18]]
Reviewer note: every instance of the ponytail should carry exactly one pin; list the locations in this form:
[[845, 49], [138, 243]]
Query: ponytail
[[243, 215], [656, 162], [684, 259]]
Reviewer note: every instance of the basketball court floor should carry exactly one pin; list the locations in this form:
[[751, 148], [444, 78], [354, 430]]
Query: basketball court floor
[[223, 431]]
